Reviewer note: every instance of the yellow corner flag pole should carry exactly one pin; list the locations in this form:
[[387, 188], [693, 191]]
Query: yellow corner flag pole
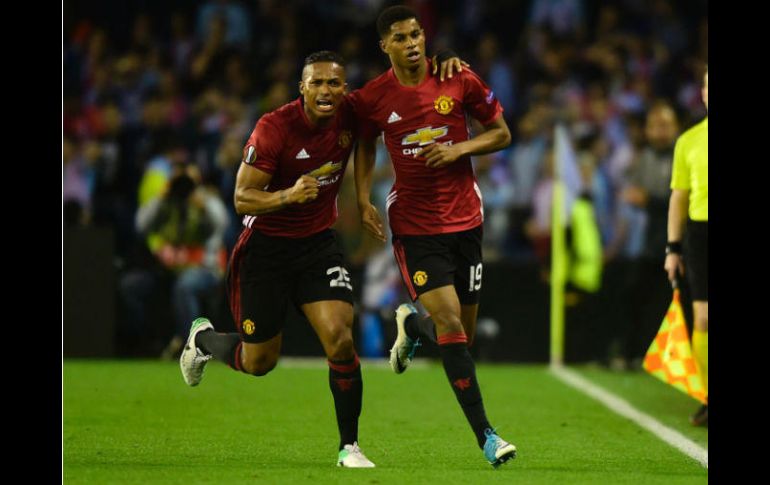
[[558, 267], [558, 256]]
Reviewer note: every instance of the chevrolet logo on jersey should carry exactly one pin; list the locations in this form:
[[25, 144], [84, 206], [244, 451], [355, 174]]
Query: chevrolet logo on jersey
[[327, 173], [425, 136], [327, 168]]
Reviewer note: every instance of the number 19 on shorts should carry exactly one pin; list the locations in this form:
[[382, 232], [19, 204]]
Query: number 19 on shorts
[[475, 279]]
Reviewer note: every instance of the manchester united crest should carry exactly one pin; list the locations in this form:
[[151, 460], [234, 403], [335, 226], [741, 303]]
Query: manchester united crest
[[444, 104], [345, 138], [420, 278], [248, 327]]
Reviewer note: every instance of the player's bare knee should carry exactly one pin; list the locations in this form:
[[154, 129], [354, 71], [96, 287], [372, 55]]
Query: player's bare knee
[[340, 345], [260, 366], [447, 321]]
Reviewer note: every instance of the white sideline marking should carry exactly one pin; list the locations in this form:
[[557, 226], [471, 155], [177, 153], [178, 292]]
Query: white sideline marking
[[623, 408]]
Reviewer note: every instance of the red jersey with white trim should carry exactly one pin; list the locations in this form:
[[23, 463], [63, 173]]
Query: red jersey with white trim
[[284, 144], [425, 200]]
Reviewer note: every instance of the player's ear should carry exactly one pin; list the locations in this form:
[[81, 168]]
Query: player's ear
[[382, 46], [301, 87]]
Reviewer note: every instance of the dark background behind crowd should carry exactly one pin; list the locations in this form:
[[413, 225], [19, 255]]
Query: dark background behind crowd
[[151, 86]]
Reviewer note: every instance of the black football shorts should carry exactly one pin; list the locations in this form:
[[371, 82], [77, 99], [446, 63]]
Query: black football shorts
[[430, 262], [267, 273], [696, 256]]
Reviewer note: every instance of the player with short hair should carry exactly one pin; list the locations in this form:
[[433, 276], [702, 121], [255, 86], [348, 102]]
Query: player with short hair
[[434, 207], [286, 189]]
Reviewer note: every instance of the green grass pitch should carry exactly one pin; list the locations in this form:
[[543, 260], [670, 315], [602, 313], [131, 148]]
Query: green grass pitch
[[136, 422]]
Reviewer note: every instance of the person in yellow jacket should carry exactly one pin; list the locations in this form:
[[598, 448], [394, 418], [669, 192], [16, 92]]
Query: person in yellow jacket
[[688, 214]]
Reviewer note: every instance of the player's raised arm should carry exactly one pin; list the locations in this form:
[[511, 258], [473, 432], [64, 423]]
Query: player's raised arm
[[363, 170], [252, 199]]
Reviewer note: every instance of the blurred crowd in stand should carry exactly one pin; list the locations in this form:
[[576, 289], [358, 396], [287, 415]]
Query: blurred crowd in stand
[[160, 99]]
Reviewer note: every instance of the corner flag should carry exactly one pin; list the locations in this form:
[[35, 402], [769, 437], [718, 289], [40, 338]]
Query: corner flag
[[669, 357]]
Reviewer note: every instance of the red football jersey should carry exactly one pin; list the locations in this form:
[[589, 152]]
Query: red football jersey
[[285, 145], [427, 200]]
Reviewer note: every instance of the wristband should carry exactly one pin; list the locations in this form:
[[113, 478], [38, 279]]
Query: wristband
[[673, 247]]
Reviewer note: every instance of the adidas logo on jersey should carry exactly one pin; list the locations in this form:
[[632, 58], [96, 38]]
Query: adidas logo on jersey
[[394, 117], [302, 154]]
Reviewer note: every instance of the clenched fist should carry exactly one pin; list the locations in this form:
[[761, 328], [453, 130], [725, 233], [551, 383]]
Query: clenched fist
[[304, 190]]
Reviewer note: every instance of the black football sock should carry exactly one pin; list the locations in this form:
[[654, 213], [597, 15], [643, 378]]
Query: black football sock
[[417, 326], [461, 372], [347, 388], [225, 347]]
